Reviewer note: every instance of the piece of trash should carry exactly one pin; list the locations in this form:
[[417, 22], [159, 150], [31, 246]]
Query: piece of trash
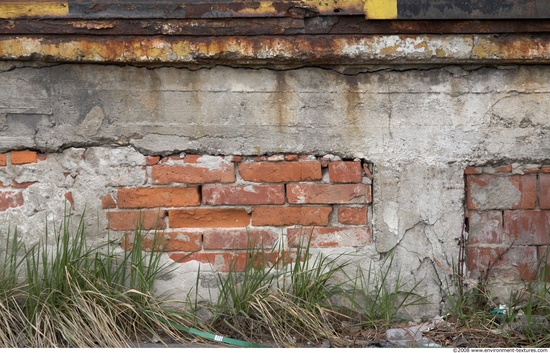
[[500, 312]]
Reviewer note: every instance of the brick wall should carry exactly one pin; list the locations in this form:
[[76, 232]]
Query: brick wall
[[509, 218], [209, 207], [11, 188]]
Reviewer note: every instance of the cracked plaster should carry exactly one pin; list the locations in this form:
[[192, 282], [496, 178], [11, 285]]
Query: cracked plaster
[[418, 127]]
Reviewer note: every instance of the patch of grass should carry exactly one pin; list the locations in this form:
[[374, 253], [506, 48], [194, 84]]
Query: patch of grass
[[298, 298], [377, 299], [64, 293]]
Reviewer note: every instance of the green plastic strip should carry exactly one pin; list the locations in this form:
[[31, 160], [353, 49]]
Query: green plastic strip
[[210, 336]]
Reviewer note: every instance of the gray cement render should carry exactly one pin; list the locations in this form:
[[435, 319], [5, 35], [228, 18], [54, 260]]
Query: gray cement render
[[419, 127]]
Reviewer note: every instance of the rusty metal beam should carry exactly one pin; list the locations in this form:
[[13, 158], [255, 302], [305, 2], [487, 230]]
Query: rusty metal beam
[[264, 26], [289, 51]]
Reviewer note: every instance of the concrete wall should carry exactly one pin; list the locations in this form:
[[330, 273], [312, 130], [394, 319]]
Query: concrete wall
[[96, 128]]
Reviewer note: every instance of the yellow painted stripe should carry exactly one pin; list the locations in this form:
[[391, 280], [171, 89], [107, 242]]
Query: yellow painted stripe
[[381, 9], [34, 9]]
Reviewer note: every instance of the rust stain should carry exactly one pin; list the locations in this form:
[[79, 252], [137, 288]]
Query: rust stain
[[83, 24], [295, 50], [282, 97]]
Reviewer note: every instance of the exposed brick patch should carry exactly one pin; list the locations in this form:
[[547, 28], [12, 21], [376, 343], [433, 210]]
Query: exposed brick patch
[[243, 195], [487, 228], [277, 172], [328, 193], [515, 264], [24, 185], [352, 216], [108, 201], [193, 170], [345, 172], [239, 239], [329, 237], [3, 162], [228, 204], [472, 171], [486, 192], [209, 218], [220, 261], [290, 215], [10, 199], [158, 197], [129, 220], [168, 241], [23, 157], [509, 221], [528, 227], [152, 160], [544, 191]]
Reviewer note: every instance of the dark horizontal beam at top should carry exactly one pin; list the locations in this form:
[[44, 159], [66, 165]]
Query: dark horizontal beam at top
[[215, 9], [333, 25]]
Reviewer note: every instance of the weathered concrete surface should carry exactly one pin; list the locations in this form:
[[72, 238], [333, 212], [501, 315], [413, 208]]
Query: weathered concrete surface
[[419, 127]]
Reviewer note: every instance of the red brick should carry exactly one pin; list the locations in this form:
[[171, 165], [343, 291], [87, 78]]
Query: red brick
[[168, 241], [69, 197], [516, 263], [205, 169], [128, 220], [2, 160], [23, 157], [24, 185], [220, 261], [158, 197], [545, 169], [544, 191], [529, 227], [10, 199], [236, 159], [352, 216], [489, 192], [209, 218], [329, 194], [234, 261], [367, 171], [471, 171], [277, 172], [291, 157], [329, 237], [243, 194], [239, 239], [108, 201], [192, 158], [41, 156], [504, 169], [486, 228], [290, 215], [345, 172], [152, 160], [532, 170]]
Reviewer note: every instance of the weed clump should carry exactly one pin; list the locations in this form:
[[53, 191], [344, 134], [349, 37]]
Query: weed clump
[[75, 295]]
